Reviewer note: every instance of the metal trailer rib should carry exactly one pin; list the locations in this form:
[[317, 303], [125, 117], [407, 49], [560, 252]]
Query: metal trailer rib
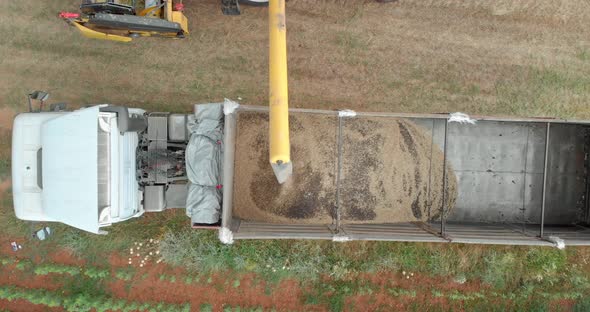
[[429, 230], [228, 169], [587, 201], [444, 186], [338, 174], [252, 108], [445, 117], [256, 108], [524, 187], [548, 131], [430, 170]]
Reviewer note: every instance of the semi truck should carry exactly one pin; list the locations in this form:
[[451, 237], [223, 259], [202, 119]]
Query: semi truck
[[337, 175], [516, 181]]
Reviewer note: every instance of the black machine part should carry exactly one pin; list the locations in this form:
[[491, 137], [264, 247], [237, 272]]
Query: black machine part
[[90, 7], [132, 22], [126, 123], [230, 7], [259, 3]]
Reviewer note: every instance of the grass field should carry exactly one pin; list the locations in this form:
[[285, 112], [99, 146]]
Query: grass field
[[508, 57]]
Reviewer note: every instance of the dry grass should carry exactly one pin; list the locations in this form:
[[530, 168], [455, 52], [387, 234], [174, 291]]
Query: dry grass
[[520, 57]]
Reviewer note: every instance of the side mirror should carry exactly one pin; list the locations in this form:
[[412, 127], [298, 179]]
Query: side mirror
[[40, 96]]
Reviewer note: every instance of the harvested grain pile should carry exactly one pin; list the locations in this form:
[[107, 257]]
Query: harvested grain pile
[[387, 175], [309, 196]]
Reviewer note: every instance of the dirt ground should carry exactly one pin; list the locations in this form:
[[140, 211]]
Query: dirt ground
[[25, 306], [391, 172]]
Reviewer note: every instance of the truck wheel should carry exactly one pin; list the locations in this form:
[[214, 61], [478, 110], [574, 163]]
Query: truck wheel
[[259, 3]]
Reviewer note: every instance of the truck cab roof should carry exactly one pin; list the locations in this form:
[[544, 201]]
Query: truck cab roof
[[69, 167]]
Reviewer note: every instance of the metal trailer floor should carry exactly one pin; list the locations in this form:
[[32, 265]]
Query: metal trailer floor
[[520, 181]]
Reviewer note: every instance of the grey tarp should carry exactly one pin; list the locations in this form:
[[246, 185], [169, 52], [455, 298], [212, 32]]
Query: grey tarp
[[203, 163]]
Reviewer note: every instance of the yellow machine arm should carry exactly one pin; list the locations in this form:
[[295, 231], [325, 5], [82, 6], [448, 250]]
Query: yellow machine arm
[[93, 34], [280, 148]]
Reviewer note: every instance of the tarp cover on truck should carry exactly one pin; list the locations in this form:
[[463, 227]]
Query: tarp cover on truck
[[70, 169], [203, 162]]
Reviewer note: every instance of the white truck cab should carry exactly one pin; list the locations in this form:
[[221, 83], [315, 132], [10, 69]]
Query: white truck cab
[[78, 168]]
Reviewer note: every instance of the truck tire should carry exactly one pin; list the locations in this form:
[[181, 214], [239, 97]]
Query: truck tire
[[258, 3]]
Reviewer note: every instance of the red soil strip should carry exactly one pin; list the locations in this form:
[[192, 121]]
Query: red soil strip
[[379, 301], [6, 249], [117, 261], [562, 305], [397, 280], [287, 295], [384, 300], [421, 285], [63, 256], [251, 292], [21, 305], [9, 275], [59, 255]]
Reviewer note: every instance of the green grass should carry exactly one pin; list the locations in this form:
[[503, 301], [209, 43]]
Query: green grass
[[583, 54], [496, 272], [96, 273], [85, 285], [83, 301], [6, 261], [23, 264], [545, 92], [4, 168], [582, 305], [333, 296], [120, 238], [505, 268], [46, 268], [125, 274]]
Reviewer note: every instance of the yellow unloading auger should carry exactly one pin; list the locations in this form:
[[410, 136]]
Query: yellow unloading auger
[[280, 148]]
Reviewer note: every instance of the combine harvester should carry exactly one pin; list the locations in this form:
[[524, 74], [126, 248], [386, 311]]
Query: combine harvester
[[121, 22], [344, 175]]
